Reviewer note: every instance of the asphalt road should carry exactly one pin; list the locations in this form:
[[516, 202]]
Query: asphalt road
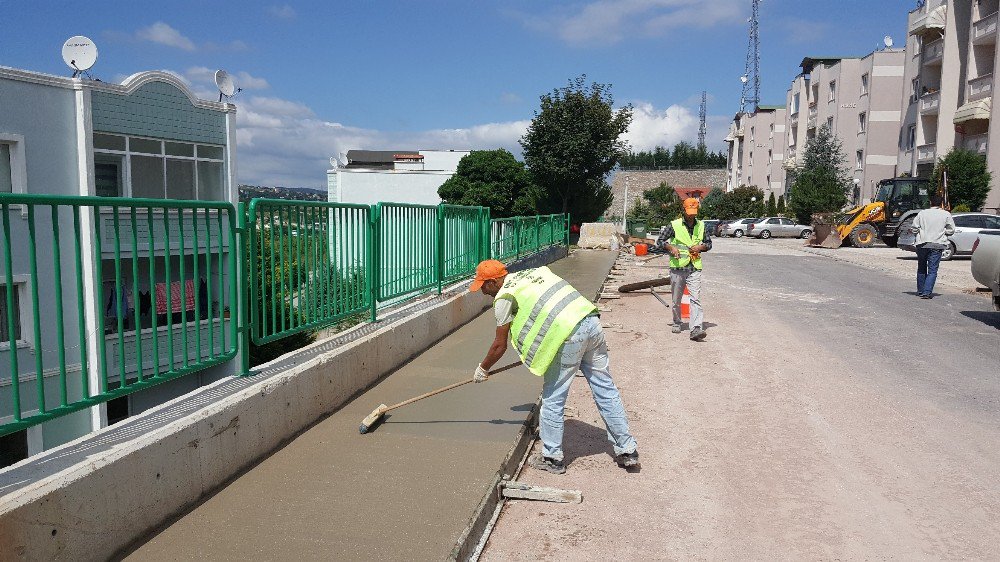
[[830, 414]]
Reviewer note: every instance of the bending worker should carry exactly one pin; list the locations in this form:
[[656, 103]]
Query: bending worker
[[556, 331], [685, 239]]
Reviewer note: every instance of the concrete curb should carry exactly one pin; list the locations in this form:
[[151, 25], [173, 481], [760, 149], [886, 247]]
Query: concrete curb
[[119, 493]]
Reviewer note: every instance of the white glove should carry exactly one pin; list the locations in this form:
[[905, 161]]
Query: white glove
[[481, 374]]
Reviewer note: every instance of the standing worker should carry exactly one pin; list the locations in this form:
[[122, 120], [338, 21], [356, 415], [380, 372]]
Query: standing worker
[[933, 227], [685, 239], [556, 331]]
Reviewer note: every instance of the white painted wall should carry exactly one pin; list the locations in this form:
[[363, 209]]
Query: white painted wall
[[368, 187]]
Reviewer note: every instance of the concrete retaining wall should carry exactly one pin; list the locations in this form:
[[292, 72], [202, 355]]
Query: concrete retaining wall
[[93, 509]]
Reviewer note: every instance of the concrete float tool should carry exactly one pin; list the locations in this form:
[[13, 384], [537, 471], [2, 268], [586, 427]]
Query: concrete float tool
[[378, 413]]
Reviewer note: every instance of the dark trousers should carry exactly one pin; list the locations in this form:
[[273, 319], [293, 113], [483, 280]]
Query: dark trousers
[[928, 260]]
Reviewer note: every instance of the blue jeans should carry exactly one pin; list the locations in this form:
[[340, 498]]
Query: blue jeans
[[928, 260], [586, 351]]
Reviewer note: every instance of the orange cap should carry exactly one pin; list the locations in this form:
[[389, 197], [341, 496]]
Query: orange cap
[[489, 269], [691, 206]]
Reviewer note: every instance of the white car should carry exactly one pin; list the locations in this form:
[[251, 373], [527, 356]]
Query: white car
[[986, 264], [968, 226], [737, 228], [778, 227]]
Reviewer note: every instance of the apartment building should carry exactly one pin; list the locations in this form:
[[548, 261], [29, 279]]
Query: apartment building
[[757, 149], [401, 176], [858, 98], [950, 62], [148, 137]]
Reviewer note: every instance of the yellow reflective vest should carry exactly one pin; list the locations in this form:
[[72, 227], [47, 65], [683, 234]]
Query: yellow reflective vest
[[684, 241], [548, 310]]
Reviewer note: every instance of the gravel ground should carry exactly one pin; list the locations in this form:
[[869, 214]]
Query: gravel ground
[[801, 429]]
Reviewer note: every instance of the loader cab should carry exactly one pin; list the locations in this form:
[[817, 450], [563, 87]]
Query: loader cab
[[902, 195]]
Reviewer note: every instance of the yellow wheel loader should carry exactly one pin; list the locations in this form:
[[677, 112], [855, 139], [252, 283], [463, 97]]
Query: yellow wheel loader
[[897, 201]]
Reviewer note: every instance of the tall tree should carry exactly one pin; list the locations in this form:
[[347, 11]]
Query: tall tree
[[781, 205], [772, 206], [821, 186], [968, 178], [711, 205], [572, 144], [494, 179]]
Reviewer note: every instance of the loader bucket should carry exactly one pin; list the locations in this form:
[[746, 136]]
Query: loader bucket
[[825, 236]]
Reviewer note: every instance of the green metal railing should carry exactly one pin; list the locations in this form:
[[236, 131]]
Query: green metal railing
[[152, 305], [146, 291]]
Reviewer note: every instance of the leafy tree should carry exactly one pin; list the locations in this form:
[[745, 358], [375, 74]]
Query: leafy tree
[[711, 205], [781, 206], [494, 179], [744, 201], [968, 178], [772, 207], [683, 155], [821, 186], [572, 144]]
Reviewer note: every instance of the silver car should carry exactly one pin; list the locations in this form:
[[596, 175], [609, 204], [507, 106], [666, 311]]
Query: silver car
[[778, 227], [967, 229], [737, 228]]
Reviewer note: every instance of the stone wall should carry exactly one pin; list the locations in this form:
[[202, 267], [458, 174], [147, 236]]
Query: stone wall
[[640, 181]]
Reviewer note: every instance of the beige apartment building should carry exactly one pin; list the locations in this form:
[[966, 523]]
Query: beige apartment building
[[951, 56], [757, 149], [859, 99]]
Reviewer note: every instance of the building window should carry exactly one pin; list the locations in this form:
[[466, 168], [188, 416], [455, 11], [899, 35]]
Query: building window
[[911, 137], [914, 90], [751, 133], [795, 104], [771, 135], [6, 170], [864, 84], [918, 44], [8, 315], [829, 123], [12, 168], [860, 158], [833, 90], [862, 122], [770, 157], [158, 169]]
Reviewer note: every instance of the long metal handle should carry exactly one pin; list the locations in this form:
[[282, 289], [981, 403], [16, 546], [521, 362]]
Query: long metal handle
[[449, 387]]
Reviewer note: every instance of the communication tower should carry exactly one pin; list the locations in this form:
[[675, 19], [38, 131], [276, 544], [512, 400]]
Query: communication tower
[[702, 128], [750, 97]]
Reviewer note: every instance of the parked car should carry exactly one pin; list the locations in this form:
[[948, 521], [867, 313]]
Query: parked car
[[710, 226], [720, 229], [967, 229], [986, 263], [778, 227], [738, 228]]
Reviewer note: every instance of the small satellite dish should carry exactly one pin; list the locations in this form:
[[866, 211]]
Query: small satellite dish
[[887, 41], [225, 83], [79, 53], [744, 78]]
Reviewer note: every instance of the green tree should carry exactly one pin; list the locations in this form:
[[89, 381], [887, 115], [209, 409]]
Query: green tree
[[781, 206], [821, 186], [711, 205], [744, 201], [968, 178], [572, 144], [494, 179], [772, 206]]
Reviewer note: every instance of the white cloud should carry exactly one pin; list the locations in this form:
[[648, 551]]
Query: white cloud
[[284, 12], [611, 21], [653, 127], [163, 34]]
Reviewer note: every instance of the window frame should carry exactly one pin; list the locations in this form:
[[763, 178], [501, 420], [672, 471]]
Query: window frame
[[862, 122], [864, 84], [833, 91], [859, 156], [18, 165], [163, 156], [911, 137], [20, 286]]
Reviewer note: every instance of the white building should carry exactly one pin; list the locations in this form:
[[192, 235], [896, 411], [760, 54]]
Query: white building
[[400, 176], [148, 137], [757, 150]]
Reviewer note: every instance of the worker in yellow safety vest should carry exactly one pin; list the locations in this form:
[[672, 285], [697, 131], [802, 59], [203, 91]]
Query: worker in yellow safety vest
[[556, 331], [685, 239]]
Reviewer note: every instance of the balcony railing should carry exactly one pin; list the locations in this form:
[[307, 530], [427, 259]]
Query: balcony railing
[[976, 143], [933, 52], [920, 15], [981, 87], [930, 103], [984, 31], [926, 153]]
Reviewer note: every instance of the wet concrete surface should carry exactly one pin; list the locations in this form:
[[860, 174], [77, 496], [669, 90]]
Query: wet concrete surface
[[404, 491]]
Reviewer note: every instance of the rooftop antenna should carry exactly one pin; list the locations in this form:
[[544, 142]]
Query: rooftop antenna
[[702, 129], [225, 83], [80, 54], [750, 97]]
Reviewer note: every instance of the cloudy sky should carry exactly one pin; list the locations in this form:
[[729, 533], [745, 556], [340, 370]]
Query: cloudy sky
[[320, 78]]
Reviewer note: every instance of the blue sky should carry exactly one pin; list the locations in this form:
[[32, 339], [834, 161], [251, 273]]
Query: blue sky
[[321, 78]]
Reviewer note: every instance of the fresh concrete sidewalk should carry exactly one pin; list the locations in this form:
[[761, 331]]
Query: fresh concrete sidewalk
[[403, 492]]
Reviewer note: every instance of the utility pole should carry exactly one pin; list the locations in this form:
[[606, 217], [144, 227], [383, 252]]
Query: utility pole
[[625, 209], [702, 113]]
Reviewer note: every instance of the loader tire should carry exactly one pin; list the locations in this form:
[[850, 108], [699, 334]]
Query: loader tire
[[863, 236]]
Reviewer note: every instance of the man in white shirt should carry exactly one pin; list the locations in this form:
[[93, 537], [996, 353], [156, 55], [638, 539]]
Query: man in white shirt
[[933, 227]]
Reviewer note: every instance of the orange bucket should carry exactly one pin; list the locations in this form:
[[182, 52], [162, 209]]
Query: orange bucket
[[641, 249]]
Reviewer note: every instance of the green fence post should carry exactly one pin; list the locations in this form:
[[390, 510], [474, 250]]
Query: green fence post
[[439, 262], [374, 263], [243, 297], [517, 238]]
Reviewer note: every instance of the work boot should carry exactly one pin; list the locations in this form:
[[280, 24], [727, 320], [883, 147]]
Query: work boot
[[545, 463], [675, 329], [628, 460], [698, 334]]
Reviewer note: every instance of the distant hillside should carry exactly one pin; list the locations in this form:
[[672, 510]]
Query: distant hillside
[[248, 192]]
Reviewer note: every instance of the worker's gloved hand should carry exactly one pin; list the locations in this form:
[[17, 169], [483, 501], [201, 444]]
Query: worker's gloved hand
[[675, 252], [481, 375]]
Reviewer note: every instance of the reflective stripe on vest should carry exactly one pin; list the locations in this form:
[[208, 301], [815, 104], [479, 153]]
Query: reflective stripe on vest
[[683, 240], [548, 310]]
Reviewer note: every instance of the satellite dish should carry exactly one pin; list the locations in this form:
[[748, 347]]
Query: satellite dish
[[744, 79], [887, 41], [79, 53], [225, 83]]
